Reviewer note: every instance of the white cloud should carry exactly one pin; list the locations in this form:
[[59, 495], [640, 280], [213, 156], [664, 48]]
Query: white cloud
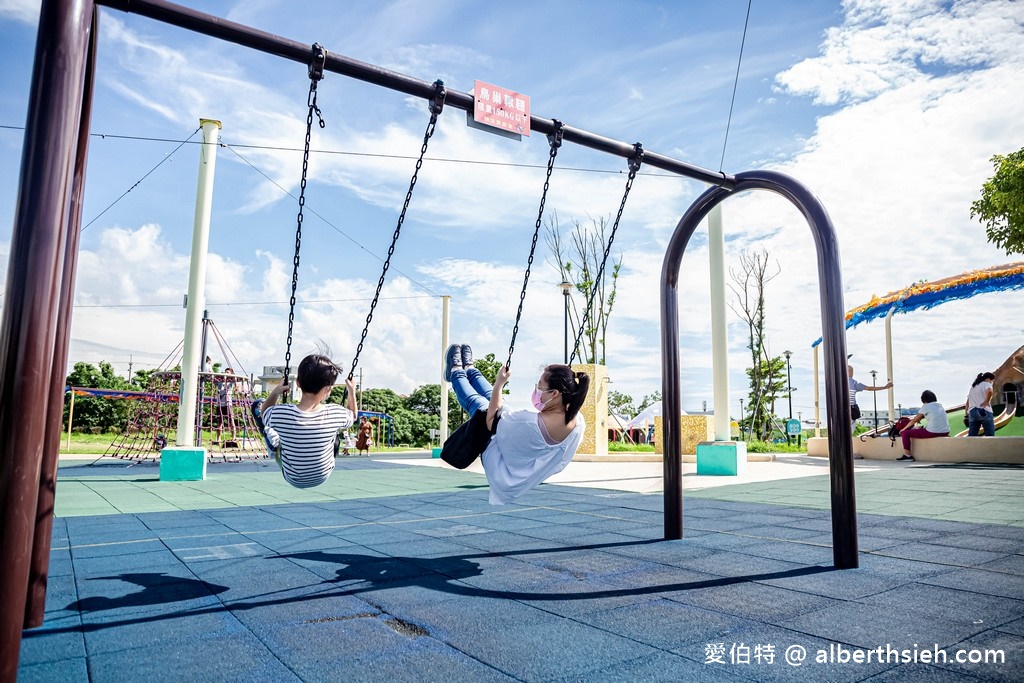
[[884, 45], [26, 11]]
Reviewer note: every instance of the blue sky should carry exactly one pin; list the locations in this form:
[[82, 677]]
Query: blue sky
[[888, 111]]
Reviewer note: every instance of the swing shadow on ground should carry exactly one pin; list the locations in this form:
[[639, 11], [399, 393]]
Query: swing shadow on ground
[[365, 573]]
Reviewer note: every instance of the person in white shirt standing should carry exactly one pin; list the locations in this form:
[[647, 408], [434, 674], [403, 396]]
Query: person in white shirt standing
[[979, 406], [936, 423]]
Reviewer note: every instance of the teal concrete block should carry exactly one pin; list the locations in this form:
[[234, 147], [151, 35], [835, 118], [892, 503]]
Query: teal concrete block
[[435, 453], [181, 463], [721, 457]]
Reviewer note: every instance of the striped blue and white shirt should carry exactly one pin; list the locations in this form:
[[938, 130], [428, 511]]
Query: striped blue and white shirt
[[306, 440]]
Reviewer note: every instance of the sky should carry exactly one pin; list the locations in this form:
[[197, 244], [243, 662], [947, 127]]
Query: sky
[[888, 110]]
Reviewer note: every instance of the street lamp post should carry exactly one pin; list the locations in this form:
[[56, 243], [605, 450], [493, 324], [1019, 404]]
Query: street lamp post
[[789, 388], [874, 397], [566, 288], [742, 415]]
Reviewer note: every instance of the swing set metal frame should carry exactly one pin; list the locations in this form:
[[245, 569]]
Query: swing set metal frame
[[35, 327]]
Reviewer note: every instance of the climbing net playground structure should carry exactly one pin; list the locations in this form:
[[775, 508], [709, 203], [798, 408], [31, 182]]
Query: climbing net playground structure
[[226, 428]]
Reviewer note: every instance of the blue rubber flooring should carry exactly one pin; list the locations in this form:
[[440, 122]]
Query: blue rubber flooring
[[567, 584]]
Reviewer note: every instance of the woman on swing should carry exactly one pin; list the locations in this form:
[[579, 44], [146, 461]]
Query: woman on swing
[[527, 447]]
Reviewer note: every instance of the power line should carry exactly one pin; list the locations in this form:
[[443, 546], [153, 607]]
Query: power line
[[331, 225], [373, 155], [136, 184], [250, 303], [735, 85]]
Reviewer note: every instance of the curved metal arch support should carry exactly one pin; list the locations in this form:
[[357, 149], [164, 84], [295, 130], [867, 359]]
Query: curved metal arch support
[[830, 284]]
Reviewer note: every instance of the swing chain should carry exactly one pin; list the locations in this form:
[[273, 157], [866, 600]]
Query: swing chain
[[634, 165], [436, 105], [555, 140], [316, 73]]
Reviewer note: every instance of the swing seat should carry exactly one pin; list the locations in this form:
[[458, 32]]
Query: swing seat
[[469, 441]]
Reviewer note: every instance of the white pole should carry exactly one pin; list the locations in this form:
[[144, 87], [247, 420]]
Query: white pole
[[445, 320], [719, 336], [190, 360], [817, 410], [888, 362]]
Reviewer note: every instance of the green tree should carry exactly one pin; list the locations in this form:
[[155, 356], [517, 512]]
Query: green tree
[[1001, 207], [380, 401], [488, 366], [760, 418], [93, 413], [648, 401], [621, 404], [578, 263], [751, 282], [426, 400]]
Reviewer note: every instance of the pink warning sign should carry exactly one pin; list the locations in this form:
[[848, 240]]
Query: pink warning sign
[[501, 108]]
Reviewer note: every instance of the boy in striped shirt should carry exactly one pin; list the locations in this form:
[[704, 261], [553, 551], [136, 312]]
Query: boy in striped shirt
[[303, 435]]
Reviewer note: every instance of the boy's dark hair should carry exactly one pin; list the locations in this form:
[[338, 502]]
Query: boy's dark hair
[[928, 397], [315, 372], [573, 387]]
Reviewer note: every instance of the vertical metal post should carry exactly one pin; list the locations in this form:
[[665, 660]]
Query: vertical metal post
[[71, 416], [789, 389], [719, 328], [566, 288], [891, 393], [29, 321], [445, 322], [197, 283], [35, 604], [874, 398], [742, 415]]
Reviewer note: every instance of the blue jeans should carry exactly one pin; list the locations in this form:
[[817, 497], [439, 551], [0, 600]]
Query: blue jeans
[[471, 389], [978, 418]]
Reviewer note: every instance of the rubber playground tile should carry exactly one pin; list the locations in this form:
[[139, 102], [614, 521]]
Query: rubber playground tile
[[113, 548], [948, 604], [803, 553], [662, 667], [130, 562], [420, 659], [213, 657], [59, 638], [62, 671], [1012, 564], [1005, 652], [754, 601], [1014, 627], [927, 552], [561, 645], [987, 582], [274, 612], [764, 652], [665, 624], [737, 564], [866, 626]]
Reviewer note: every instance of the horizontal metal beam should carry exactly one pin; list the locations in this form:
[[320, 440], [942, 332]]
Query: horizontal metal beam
[[187, 18]]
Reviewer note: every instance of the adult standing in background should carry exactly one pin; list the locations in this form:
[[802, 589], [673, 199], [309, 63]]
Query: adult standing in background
[[364, 440], [856, 386], [979, 406]]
